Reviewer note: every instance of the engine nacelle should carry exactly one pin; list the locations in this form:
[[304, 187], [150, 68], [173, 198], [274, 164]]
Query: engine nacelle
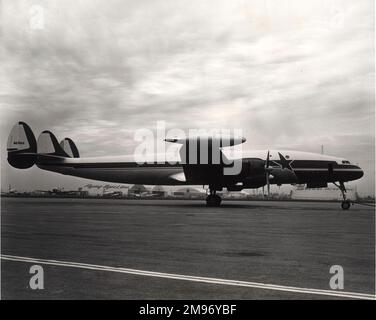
[[254, 182]]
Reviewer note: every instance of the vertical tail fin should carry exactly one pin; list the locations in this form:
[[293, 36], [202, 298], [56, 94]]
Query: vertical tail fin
[[70, 148], [47, 145], [21, 146]]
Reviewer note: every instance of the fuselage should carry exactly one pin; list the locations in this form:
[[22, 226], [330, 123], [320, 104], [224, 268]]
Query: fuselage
[[286, 167]]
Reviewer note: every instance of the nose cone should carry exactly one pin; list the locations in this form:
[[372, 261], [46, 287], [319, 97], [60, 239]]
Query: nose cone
[[360, 173], [354, 173], [349, 173]]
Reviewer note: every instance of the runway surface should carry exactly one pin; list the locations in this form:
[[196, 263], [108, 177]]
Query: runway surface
[[157, 249]]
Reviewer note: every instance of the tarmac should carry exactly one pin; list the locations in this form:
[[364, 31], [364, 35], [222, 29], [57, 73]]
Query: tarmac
[[181, 249]]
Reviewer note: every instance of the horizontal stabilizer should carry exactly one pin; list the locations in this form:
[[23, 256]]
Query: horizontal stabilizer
[[47, 145], [70, 148], [21, 146]]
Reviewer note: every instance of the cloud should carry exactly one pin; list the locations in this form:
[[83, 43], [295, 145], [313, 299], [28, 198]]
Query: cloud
[[289, 74]]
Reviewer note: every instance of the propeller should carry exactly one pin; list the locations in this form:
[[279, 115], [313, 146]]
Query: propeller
[[267, 162]]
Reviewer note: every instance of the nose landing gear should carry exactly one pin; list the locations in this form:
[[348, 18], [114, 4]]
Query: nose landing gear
[[345, 203], [213, 200]]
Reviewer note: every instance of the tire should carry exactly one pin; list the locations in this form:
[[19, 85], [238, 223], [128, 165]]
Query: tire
[[218, 200], [210, 201], [346, 205], [213, 200]]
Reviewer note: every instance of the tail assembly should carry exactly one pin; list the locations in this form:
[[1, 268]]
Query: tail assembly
[[21, 146], [70, 148], [24, 151], [48, 145]]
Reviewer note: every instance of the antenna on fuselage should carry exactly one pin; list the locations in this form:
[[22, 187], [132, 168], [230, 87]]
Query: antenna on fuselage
[[322, 149]]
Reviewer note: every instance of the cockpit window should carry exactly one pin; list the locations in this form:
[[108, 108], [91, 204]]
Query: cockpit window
[[345, 162]]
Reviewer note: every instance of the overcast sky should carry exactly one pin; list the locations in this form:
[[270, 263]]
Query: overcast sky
[[290, 74]]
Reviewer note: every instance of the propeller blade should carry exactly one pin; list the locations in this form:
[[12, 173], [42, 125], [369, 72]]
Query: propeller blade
[[267, 163]]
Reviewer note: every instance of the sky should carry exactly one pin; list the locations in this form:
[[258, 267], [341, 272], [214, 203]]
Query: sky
[[290, 74]]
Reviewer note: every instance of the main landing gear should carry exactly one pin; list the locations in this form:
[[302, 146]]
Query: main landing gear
[[213, 200], [345, 203]]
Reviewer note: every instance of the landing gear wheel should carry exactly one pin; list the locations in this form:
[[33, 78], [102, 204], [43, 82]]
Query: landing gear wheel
[[346, 205], [213, 200]]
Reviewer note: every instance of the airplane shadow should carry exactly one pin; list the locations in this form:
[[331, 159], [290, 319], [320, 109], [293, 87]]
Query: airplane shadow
[[269, 206], [202, 205]]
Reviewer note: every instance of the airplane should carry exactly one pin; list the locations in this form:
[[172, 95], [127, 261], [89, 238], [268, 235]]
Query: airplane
[[258, 169]]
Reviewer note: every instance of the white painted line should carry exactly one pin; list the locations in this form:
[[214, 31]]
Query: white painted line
[[342, 294]]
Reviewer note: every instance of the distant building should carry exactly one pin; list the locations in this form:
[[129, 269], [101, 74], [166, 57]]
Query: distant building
[[138, 190], [235, 195], [9, 192], [93, 190], [189, 193], [159, 192], [115, 191], [41, 192], [301, 193], [109, 190], [59, 192]]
